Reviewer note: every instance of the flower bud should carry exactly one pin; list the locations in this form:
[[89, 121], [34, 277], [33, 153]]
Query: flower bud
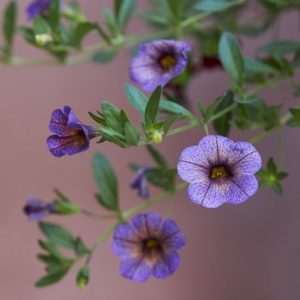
[[43, 39]]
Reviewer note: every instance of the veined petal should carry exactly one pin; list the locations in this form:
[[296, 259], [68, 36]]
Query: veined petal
[[136, 268], [206, 194], [58, 123], [70, 145], [246, 160], [125, 241], [216, 148], [171, 236], [241, 188], [147, 225], [166, 265]]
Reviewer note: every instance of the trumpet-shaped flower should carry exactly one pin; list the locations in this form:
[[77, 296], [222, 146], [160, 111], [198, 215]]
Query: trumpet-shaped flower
[[158, 62], [148, 247], [37, 209], [37, 7], [71, 136], [219, 171]]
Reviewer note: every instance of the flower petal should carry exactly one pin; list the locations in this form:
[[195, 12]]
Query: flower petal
[[147, 225], [125, 241], [245, 158], [241, 188], [166, 265], [136, 269], [216, 148], [58, 123], [172, 237], [193, 165], [205, 194], [70, 145]]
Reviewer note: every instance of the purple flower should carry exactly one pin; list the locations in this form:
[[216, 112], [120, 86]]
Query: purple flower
[[37, 7], [158, 62], [37, 209], [139, 182], [219, 171], [71, 136], [148, 247]]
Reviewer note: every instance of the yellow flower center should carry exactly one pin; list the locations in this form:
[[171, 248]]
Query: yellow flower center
[[219, 172], [167, 61]]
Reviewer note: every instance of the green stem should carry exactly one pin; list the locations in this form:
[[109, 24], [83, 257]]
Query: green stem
[[194, 19], [96, 216]]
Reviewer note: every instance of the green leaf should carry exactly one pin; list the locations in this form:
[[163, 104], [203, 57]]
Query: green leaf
[[83, 276], [132, 134], [57, 234], [104, 56], [217, 5], [231, 56], [270, 177], [106, 181], [167, 124], [257, 66], [27, 34], [152, 107], [9, 24], [295, 119], [51, 278], [81, 31], [281, 47], [110, 20], [175, 108], [175, 8], [79, 248], [112, 116], [41, 26], [222, 124], [157, 157], [124, 11], [54, 14], [51, 248], [136, 98]]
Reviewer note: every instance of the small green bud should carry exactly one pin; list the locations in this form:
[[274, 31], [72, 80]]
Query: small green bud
[[156, 136], [43, 39], [83, 277], [65, 207]]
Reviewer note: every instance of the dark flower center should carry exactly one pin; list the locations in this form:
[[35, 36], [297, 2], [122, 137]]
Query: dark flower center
[[151, 247], [167, 61], [219, 172]]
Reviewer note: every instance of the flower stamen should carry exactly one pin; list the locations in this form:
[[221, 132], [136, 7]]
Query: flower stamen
[[219, 172], [167, 61]]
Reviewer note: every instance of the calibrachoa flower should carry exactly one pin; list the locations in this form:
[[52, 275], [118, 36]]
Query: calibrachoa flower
[[37, 7], [220, 171], [148, 247], [71, 136], [139, 182], [158, 62], [37, 209]]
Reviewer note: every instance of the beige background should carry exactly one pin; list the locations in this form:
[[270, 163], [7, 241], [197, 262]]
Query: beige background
[[247, 252]]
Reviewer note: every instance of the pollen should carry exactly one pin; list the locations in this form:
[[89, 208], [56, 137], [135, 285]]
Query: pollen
[[219, 172], [167, 61]]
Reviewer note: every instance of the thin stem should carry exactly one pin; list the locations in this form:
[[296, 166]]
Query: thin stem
[[96, 216], [206, 129], [194, 19]]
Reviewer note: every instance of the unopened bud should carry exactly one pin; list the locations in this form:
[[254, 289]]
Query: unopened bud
[[43, 39]]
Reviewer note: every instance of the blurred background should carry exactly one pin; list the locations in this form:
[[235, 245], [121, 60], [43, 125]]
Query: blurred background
[[247, 252]]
